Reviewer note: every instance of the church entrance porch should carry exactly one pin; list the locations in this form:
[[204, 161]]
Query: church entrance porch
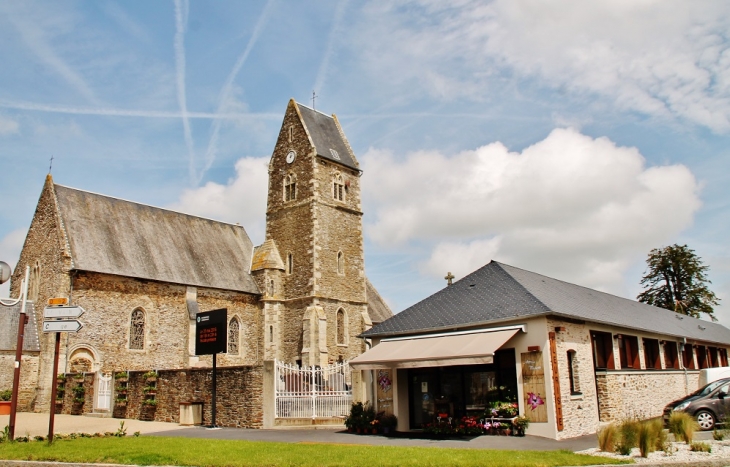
[[459, 391]]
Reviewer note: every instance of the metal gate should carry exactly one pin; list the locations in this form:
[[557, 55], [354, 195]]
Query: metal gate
[[103, 392], [312, 392]]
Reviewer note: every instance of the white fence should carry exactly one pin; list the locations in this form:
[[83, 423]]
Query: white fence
[[311, 392]]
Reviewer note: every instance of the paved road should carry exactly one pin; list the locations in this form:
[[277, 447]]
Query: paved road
[[34, 424], [37, 424]]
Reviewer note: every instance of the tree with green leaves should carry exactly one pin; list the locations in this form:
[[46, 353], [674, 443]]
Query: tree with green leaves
[[677, 280]]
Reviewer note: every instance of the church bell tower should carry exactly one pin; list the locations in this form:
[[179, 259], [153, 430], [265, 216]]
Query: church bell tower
[[311, 266]]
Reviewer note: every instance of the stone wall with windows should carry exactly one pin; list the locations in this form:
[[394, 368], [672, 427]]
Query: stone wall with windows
[[46, 252], [107, 336]]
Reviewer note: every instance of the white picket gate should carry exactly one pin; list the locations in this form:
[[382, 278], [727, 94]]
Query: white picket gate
[[313, 392], [103, 392]]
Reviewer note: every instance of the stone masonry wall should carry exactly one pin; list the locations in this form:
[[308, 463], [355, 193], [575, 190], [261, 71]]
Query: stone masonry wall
[[110, 300], [239, 394], [44, 245], [71, 402], [314, 228], [28, 377], [641, 394], [580, 411], [290, 223]]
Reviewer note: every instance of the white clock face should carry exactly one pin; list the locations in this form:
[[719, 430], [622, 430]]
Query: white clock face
[[290, 157]]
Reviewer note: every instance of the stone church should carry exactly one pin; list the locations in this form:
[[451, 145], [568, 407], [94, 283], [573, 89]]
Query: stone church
[[142, 273]]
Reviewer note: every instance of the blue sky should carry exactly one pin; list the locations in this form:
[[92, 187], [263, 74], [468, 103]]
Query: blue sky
[[567, 138]]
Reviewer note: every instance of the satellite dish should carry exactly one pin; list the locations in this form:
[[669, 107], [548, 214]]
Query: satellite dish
[[4, 272]]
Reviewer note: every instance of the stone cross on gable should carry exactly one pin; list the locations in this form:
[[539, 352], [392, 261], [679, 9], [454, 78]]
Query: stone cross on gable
[[449, 277]]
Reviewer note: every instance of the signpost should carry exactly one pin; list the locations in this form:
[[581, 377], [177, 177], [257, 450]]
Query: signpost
[[68, 325], [211, 338], [58, 317]]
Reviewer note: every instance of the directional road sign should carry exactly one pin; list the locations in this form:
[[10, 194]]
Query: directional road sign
[[69, 312], [67, 325]]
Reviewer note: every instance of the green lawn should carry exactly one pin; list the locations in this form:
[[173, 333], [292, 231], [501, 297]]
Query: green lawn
[[203, 452]]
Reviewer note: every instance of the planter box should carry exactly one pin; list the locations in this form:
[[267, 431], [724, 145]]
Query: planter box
[[4, 407]]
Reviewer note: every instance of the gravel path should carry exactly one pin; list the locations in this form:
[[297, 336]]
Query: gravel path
[[678, 454]]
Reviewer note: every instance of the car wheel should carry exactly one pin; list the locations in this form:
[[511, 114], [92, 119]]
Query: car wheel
[[705, 419]]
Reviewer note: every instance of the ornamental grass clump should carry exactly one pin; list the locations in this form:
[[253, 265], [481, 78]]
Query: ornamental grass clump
[[698, 446], [628, 432], [607, 438], [683, 426], [651, 436]]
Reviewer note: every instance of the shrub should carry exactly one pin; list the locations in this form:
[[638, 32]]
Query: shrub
[[607, 438], [718, 435], [628, 432], [698, 446], [361, 416], [6, 395], [683, 426]]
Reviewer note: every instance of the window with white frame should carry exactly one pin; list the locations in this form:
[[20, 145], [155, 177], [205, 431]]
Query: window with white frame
[[338, 188]]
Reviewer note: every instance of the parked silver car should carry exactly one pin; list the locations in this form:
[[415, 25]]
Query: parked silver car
[[709, 405]]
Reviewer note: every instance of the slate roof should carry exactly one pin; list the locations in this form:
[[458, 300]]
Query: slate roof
[[378, 310], [327, 137], [498, 292], [9, 328], [114, 236], [266, 256]]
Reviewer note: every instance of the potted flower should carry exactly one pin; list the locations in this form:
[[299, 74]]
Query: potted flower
[[79, 393], [121, 376], [5, 402], [360, 418], [520, 425], [388, 422], [150, 376]]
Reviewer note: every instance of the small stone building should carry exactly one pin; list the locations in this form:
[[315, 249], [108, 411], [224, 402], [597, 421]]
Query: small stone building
[[569, 356], [142, 273]]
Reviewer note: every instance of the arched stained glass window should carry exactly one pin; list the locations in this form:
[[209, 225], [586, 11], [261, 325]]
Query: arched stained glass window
[[234, 336], [136, 330]]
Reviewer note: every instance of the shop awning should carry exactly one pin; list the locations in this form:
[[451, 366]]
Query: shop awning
[[471, 348]]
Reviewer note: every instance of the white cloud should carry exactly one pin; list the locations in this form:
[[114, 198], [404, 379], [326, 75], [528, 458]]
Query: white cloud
[[572, 206], [242, 200], [8, 126], [39, 27], [665, 58], [10, 247]]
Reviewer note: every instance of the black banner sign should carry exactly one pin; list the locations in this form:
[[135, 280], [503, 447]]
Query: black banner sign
[[211, 332]]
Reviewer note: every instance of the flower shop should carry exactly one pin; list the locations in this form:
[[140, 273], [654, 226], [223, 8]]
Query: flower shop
[[504, 347], [435, 385]]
